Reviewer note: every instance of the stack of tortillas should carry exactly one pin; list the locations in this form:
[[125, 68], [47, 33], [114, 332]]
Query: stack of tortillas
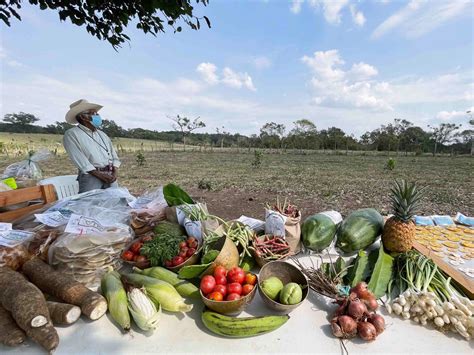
[[87, 256]]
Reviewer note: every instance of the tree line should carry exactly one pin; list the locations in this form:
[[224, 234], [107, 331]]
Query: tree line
[[400, 135]]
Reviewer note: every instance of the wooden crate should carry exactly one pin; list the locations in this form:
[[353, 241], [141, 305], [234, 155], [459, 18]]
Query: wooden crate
[[36, 197]]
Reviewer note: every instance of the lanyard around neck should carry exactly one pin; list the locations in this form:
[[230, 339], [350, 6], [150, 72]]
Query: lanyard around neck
[[103, 145]]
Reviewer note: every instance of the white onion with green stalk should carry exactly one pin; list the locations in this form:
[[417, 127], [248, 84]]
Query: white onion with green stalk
[[426, 296], [143, 310]]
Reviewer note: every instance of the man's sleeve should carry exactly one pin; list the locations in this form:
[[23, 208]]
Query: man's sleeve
[[72, 147]]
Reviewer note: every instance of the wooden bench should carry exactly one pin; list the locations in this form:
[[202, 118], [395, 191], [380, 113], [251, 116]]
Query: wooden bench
[[36, 197]]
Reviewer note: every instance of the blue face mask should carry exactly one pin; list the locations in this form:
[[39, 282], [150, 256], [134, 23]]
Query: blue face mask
[[96, 121]]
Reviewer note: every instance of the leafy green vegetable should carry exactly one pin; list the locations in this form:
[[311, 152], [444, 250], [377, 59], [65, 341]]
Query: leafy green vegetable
[[192, 271], [359, 269], [161, 248], [210, 256], [175, 196], [382, 274]]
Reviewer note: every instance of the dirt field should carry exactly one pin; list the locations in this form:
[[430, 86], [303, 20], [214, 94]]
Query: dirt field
[[313, 182]]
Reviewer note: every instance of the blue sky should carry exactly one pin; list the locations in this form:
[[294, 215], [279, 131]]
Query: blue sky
[[350, 64]]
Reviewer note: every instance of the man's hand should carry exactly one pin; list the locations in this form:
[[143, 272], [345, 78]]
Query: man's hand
[[114, 173], [103, 176]]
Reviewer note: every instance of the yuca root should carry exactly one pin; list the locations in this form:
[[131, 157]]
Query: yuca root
[[45, 336], [65, 288], [10, 333], [22, 299], [63, 313]]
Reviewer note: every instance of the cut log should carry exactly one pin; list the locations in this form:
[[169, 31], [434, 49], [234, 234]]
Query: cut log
[[65, 288], [22, 299], [10, 333], [63, 313]]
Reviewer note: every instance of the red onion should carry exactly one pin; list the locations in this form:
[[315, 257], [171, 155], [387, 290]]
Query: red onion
[[348, 326], [356, 309], [366, 331], [378, 321], [362, 291], [371, 304]]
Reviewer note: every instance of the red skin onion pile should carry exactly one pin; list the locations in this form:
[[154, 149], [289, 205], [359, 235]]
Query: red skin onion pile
[[356, 315]]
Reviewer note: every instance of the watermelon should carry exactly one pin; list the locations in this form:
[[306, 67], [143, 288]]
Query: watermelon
[[359, 230], [318, 230]]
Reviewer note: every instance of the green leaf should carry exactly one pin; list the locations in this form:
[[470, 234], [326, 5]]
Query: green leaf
[[359, 269], [382, 274], [175, 196], [192, 271]]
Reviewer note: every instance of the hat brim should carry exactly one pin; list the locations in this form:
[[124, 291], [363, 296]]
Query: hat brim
[[83, 106]]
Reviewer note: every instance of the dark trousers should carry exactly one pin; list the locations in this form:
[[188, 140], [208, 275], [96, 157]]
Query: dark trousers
[[89, 182]]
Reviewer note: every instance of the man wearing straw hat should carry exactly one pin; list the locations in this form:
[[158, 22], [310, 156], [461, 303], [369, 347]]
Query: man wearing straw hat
[[89, 148]]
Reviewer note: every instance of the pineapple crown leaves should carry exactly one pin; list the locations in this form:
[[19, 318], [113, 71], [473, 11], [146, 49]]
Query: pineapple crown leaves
[[405, 198]]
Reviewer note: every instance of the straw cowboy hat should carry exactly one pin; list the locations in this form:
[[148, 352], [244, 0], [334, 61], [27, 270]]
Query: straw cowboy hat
[[80, 106]]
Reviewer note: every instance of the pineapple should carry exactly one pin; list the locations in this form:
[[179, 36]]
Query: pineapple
[[399, 230]]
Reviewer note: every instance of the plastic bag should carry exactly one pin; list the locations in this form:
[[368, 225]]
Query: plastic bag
[[284, 226], [87, 256], [109, 206], [148, 210], [27, 172], [13, 248]]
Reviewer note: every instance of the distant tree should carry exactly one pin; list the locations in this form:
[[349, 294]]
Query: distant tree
[[400, 128], [222, 133], [106, 19], [272, 134], [23, 121], [112, 129], [303, 135], [414, 138], [185, 126], [336, 137], [58, 127], [471, 122], [442, 134]]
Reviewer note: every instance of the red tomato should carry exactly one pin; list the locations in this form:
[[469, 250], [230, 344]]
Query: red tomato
[[135, 248], [207, 284], [236, 274], [183, 245], [233, 297], [250, 278], [246, 289], [168, 263], [220, 280], [177, 260], [190, 252], [190, 240], [193, 244], [234, 287], [220, 288], [135, 257], [220, 271], [216, 296], [183, 252], [128, 255]]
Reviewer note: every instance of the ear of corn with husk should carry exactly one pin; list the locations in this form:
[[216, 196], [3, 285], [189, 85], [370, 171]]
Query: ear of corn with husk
[[160, 292], [144, 311], [114, 291]]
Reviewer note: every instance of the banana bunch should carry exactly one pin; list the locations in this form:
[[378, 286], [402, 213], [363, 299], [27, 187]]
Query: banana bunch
[[241, 327]]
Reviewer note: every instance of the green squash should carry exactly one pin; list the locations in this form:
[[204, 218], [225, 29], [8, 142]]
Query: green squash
[[318, 231], [359, 230]]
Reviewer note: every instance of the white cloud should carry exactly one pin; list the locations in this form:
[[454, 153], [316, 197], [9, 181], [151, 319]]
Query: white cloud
[[262, 62], [335, 87], [357, 16], [237, 80], [453, 115], [296, 6], [419, 17], [229, 77], [208, 72]]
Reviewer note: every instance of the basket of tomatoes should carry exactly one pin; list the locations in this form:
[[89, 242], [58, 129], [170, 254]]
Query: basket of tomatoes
[[228, 291], [132, 255], [188, 254]]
